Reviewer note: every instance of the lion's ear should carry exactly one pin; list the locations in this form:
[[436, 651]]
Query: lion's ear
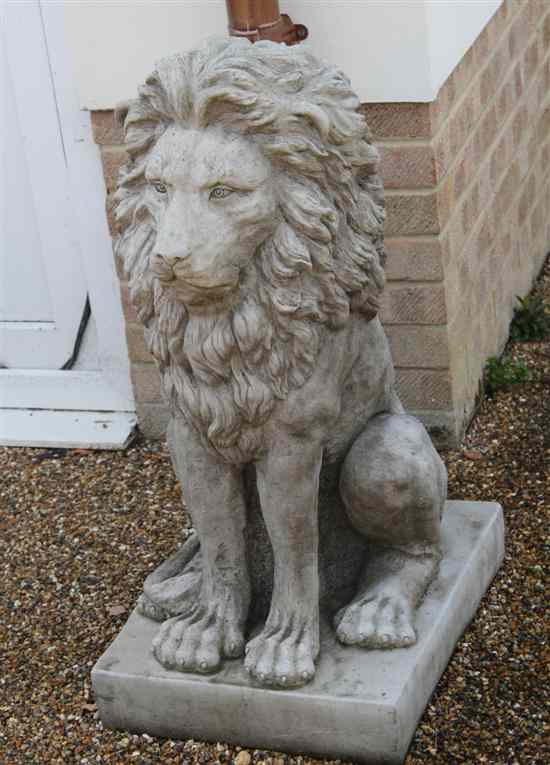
[[121, 110]]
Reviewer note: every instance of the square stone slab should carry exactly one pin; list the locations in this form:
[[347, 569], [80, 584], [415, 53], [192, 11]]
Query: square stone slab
[[362, 705]]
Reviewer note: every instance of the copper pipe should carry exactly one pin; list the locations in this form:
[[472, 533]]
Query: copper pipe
[[261, 20]]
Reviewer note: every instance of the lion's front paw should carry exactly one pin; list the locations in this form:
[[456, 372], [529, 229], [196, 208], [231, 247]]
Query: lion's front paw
[[197, 642], [283, 654], [381, 620]]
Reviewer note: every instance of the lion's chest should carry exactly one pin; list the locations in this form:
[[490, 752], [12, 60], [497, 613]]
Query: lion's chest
[[352, 382], [313, 410], [310, 412], [299, 416]]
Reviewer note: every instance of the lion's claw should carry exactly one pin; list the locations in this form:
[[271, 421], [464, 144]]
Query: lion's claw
[[198, 641], [285, 657], [379, 621]]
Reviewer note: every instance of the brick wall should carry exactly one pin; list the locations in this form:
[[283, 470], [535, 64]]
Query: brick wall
[[467, 182], [414, 309], [491, 141]]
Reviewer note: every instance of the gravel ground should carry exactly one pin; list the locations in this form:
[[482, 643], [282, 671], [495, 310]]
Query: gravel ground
[[79, 531]]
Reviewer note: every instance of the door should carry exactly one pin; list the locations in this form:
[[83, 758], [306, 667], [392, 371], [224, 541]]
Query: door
[[57, 280], [42, 290]]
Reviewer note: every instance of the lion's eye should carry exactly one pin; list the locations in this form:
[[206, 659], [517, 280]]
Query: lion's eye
[[159, 187], [220, 192]]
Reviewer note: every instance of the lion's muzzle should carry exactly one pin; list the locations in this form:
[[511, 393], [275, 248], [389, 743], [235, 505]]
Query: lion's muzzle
[[163, 267], [192, 286]]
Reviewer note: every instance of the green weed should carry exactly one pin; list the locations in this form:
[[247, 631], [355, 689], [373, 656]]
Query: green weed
[[531, 321], [501, 373]]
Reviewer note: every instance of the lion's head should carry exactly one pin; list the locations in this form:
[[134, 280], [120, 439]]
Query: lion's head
[[251, 217]]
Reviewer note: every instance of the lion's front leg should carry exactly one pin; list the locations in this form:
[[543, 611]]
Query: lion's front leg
[[283, 654], [211, 626]]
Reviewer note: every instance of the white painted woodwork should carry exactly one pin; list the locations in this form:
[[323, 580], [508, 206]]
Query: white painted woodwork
[[50, 429], [88, 195], [50, 389], [39, 403], [393, 50], [31, 118], [24, 291]]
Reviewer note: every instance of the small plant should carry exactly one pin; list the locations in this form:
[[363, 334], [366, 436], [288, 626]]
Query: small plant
[[531, 321], [501, 373]]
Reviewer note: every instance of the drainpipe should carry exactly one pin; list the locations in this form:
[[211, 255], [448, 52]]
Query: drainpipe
[[261, 20]]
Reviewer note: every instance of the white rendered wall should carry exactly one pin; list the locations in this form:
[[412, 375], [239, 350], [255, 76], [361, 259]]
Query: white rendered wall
[[393, 50], [453, 26]]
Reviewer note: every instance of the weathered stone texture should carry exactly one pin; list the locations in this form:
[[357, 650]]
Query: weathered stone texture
[[130, 313], [350, 708], [315, 408]]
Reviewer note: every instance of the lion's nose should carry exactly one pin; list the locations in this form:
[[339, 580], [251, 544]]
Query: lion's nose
[[171, 260]]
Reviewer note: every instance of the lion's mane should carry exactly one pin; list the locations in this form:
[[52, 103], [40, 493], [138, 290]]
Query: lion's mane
[[225, 373]]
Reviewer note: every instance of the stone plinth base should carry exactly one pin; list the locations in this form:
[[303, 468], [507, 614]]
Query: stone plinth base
[[362, 705]]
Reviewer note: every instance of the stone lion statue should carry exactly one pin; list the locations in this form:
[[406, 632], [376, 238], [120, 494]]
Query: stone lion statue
[[251, 217]]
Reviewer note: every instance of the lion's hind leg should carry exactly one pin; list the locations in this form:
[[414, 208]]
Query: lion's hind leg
[[382, 613], [173, 587], [394, 486]]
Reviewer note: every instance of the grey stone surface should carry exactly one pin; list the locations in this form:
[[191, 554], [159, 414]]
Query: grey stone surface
[[252, 215], [362, 705]]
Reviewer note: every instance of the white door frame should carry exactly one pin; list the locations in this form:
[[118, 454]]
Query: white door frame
[[94, 408]]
